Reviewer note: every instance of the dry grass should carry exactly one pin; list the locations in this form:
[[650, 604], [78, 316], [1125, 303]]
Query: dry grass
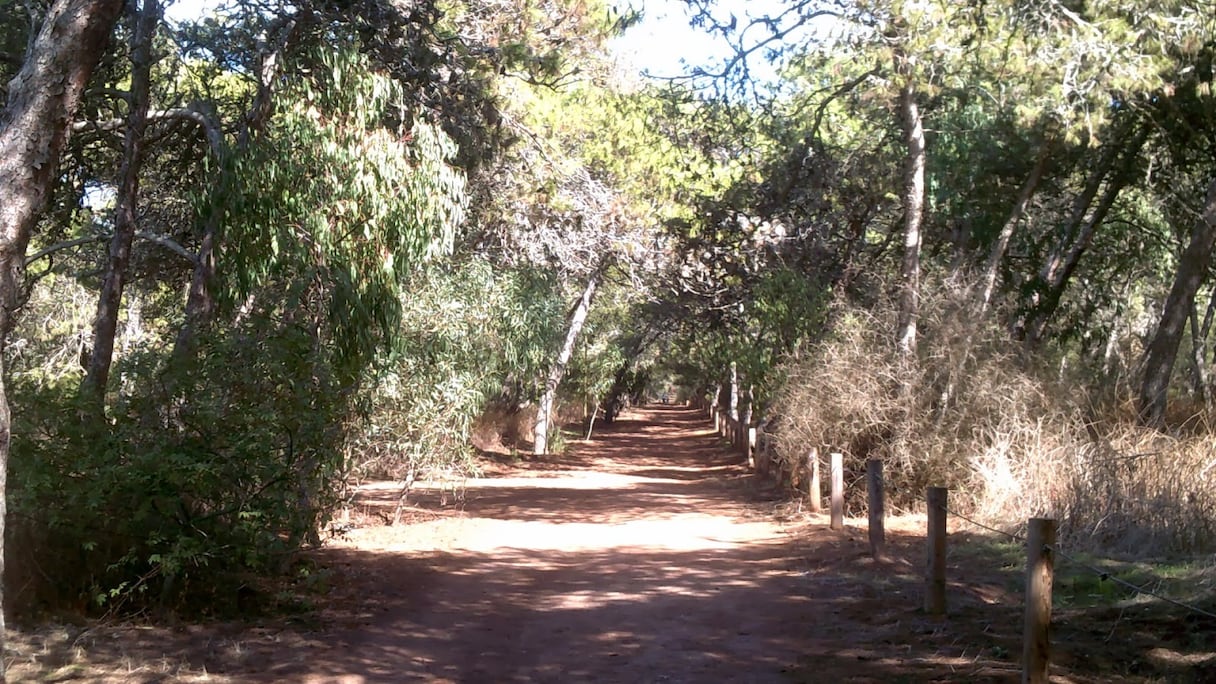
[[500, 427], [1011, 440]]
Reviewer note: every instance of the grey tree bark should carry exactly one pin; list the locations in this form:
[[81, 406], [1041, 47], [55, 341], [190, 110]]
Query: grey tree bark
[[42, 100], [914, 208], [1015, 217], [577, 318], [1199, 367], [105, 324], [1161, 353], [1077, 235]]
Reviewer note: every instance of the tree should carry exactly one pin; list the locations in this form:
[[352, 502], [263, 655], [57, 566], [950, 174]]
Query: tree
[[33, 129], [914, 208], [93, 387], [557, 369], [1163, 349]]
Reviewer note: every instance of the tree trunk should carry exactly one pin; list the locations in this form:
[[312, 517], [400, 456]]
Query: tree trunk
[[1080, 207], [1159, 358], [577, 318], [105, 325], [914, 208], [1199, 367], [1055, 274], [42, 99], [1011, 224]]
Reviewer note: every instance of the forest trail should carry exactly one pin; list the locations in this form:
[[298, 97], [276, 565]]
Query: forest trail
[[635, 558], [646, 555]]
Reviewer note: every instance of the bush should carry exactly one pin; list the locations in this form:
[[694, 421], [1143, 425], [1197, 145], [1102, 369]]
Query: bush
[[202, 483], [468, 333], [1010, 439]]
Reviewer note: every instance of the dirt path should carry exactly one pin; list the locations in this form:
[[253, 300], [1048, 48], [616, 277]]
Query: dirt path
[[647, 555], [633, 560]]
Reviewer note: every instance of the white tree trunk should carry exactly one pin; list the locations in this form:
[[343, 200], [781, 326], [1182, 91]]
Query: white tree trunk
[[914, 208], [558, 370], [734, 391]]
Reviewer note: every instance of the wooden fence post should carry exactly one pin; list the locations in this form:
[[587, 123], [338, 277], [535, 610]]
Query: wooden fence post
[[1036, 639], [935, 569], [837, 473], [878, 537], [814, 490]]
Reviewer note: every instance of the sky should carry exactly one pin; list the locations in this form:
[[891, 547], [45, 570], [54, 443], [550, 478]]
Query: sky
[[660, 45], [664, 42], [665, 45]]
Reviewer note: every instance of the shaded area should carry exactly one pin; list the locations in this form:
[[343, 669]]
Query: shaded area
[[646, 555]]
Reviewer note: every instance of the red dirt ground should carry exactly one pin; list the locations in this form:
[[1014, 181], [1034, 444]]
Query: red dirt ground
[[646, 555]]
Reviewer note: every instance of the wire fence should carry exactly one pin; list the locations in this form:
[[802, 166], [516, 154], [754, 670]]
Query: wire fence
[[1103, 575], [1038, 559]]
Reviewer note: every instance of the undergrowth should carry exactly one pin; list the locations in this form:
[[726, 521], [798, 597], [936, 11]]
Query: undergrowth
[[1012, 440]]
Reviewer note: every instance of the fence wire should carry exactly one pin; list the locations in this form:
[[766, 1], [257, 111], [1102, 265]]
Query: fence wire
[[1102, 574], [1011, 535]]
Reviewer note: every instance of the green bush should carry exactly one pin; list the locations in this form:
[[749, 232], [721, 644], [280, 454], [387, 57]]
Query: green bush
[[201, 482]]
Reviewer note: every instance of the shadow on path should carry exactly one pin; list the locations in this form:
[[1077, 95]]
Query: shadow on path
[[645, 555], [634, 561], [637, 558]]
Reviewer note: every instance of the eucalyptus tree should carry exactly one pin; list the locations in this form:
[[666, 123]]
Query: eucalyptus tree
[[145, 22], [42, 99]]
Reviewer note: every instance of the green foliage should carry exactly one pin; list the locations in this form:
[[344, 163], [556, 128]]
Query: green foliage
[[335, 194], [470, 335], [182, 510]]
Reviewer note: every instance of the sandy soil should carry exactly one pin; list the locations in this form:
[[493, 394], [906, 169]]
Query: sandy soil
[[646, 555]]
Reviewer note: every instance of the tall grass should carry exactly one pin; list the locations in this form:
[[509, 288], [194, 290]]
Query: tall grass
[[1008, 436]]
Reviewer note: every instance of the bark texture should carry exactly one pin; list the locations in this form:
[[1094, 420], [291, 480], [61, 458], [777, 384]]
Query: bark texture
[[914, 209], [105, 323], [577, 318], [1162, 351], [42, 99]]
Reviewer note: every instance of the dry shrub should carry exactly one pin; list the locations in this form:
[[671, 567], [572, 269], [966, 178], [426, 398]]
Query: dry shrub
[[1142, 490], [1008, 438], [501, 425]]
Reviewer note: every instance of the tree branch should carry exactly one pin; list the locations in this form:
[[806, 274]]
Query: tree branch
[[191, 114], [162, 240]]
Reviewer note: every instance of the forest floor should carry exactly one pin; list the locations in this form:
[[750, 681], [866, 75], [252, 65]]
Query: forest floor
[[645, 555]]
